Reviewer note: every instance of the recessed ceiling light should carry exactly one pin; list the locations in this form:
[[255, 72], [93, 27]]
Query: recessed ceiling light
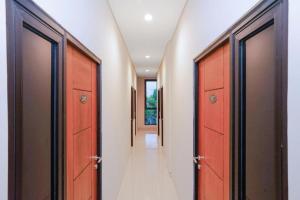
[[147, 70], [147, 56], [148, 17]]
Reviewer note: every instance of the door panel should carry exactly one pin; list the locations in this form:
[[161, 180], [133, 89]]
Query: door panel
[[212, 160], [82, 151], [214, 103], [213, 186], [82, 126], [82, 71], [214, 70], [214, 147], [83, 185]]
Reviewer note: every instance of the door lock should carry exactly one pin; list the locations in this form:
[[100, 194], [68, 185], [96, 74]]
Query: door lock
[[83, 99], [213, 99]]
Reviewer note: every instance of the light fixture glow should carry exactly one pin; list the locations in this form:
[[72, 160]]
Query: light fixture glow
[[147, 56], [147, 70], [148, 17]]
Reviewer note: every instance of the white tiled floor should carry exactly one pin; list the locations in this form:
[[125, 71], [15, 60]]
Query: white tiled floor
[[147, 177]]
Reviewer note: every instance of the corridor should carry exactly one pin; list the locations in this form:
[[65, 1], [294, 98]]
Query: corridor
[[147, 176], [149, 100]]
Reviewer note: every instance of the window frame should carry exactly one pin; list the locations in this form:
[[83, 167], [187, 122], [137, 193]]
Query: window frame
[[145, 101]]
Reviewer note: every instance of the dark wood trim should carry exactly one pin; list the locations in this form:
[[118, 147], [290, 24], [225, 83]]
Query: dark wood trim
[[231, 119], [158, 112], [284, 15], [135, 110], [132, 115], [11, 97], [162, 114], [196, 127], [99, 116]]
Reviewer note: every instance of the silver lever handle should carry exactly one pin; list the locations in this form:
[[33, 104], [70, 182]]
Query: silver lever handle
[[196, 159], [97, 158]]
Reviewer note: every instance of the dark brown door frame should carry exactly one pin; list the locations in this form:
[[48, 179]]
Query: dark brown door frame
[[158, 112], [132, 115], [241, 24], [135, 110], [18, 17], [162, 114], [274, 15], [42, 23]]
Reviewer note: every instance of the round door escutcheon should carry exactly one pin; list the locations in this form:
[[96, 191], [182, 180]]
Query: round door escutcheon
[[213, 99], [83, 99]]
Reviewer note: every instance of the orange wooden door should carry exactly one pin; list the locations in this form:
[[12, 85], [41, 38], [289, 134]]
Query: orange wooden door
[[213, 136], [81, 119]]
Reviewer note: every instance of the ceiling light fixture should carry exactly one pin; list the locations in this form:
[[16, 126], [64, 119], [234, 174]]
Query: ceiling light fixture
[[148, 17], [147, 70], [147, 56]]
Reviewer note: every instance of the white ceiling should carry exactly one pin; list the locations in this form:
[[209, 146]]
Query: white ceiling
[[147, 38]]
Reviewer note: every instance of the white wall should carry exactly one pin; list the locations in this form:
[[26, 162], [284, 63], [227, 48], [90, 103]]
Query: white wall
[[3, 105], [93, 24], [293, 100], [201, 23]]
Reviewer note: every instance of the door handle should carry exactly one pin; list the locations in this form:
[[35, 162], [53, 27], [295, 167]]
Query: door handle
[[198, 158], [195, 160], [97, 158]]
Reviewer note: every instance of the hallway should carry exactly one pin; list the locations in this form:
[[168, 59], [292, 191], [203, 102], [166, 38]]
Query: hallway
[[149, 100], [147, 176]]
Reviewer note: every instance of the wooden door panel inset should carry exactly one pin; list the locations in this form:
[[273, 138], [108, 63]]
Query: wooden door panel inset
[[82, 110], [82, 151], [213, 189], [213, 106], [214, 147], [214, 70], [83, 185], [82, 71]]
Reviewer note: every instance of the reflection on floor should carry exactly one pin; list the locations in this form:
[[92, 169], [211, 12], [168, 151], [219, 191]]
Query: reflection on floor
[[147, 177]]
